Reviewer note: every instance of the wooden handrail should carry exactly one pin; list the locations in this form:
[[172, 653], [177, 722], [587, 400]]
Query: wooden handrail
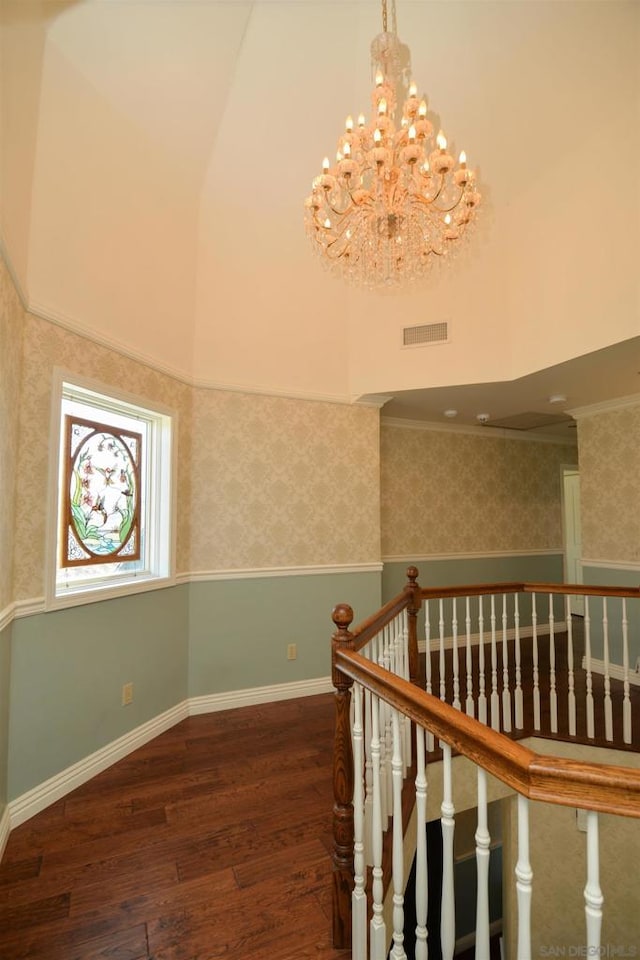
[[483, 589], [572, 783]]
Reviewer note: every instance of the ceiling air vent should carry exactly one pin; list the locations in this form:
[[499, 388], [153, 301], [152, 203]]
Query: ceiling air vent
[[425, 333]]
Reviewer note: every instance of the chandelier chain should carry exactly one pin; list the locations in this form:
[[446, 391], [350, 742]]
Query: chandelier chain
[[394, 23]]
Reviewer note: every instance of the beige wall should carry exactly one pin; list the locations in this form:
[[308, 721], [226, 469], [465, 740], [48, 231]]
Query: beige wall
[[446, 492], [11, 324], [609, 444]]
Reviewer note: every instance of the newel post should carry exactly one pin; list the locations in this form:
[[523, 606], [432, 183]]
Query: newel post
[[413, 609], [342, 784]]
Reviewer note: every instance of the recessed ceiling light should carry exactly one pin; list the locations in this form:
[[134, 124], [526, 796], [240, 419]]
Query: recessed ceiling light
[[451, 413], [483, 417], [557, 398]]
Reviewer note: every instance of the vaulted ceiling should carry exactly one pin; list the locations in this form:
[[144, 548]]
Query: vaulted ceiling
[[156, 154]]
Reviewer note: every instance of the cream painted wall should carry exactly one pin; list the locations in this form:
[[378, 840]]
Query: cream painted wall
[[449, 492], [170, 146], [609, 444]]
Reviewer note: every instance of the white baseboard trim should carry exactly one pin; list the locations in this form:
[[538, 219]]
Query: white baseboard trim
[[213, 702], [559, 626], [42, 796], [616, 672], [5, 827], [58, 786]]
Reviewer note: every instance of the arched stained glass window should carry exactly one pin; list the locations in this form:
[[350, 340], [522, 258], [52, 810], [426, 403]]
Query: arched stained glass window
[[102, 479]]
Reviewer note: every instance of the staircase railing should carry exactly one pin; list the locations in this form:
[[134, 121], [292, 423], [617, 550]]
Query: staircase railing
[[395, 722]]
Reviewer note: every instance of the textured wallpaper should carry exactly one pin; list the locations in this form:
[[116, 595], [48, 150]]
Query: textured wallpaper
[[46, 346], [449, 492], [11, 321], [262, 481], [609, 446], [280, 482]]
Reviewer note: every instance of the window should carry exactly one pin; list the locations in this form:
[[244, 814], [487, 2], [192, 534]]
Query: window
[[112, 523]]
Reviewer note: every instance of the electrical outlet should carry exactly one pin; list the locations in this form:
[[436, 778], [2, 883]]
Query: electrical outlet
[[292, 651], [127, 694]]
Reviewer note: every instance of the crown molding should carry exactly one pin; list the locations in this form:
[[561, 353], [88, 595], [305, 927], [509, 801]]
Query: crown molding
[[605, 406], [485, 432]]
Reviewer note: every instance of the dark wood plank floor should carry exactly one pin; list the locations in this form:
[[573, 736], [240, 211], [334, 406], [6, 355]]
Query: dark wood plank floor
[[211, 841]]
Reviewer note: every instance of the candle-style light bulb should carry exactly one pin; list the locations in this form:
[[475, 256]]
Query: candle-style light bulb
[[361, 120], [441, 140], [325, 165], [346, 150], [377, 136], [349, 123], [463, 159], [382, 107], [422, 109], [447, 219], [412, 134], [413, 90], [425, 167], [327, 224], [379, 78]]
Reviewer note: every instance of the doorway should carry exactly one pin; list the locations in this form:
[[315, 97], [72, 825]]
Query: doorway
[[572, 533]]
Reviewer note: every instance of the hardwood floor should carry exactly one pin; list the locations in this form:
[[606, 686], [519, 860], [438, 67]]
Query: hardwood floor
[[211, 841]]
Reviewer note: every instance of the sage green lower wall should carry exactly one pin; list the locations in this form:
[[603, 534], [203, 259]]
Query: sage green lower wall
[[5, 674], [67, 672], [67, 668], [239, 630], [605, 576]]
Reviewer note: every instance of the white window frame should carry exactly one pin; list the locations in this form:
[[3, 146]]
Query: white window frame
[[157, 568]]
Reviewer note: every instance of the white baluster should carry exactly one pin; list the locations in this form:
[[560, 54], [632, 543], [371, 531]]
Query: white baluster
[[443, 689], [455, 658], [428, 685], [482, 697], [506, 693], [608, 707], [358, 896], [536, 671], [388, 733], [483, 843], [572, 693], [518, 703], [406, 722], [587, 659], [593, 898], [495, 699], [397, 855], [524, 881], [469, 707], [422, 894], [626, 702], [377, 927], [447, 811], [368, 779], [553, 696]]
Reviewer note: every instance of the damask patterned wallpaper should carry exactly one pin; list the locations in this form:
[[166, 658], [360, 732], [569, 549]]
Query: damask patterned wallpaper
[[281, 482], [263, 481], [447, 492], [11, 321], [609, 444]]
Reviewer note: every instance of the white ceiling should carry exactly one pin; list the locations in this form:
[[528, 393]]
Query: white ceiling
[[156, 154]]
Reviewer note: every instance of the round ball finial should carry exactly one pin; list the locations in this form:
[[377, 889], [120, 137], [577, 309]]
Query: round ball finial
[[342, 616], [412, 574]]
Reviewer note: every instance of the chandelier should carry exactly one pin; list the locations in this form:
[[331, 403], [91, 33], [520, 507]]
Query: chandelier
[[395, 200]]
